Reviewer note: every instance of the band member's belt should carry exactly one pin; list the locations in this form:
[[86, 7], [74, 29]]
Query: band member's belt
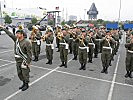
[[104, 47], [82, 48], [63, 43], [52, 45], [66, 45], [130, 51], [91, 44], [17, 56], [49, 44], [107, 47], [98, 39]]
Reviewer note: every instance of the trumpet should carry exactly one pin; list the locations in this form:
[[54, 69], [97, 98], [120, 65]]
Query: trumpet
[[44, 37], [81, 39], [60, 36]]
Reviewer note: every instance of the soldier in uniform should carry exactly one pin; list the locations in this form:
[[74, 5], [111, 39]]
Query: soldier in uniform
[[75, 43], [40, 40], [98, 37], [129, 56], [48, 37], [57, 33], [83, 49], [91, 46], [35, 40], [64, 40], [23, 56], [106, 51]]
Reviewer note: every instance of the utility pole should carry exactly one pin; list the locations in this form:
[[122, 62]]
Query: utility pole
[[0, 14], [119, 12], [84, 13]]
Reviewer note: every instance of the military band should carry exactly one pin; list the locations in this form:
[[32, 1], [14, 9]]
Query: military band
[[83, 44]]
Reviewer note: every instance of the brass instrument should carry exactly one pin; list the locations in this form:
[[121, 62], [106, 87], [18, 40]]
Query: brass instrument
[[20, 27], [44, 37], [60, 36], [81, 39]]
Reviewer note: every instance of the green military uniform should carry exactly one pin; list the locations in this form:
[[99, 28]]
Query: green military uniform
[[35, 40], [40, 43], [82, 52], [75, 47], [49, 48], [129, 58], [91, 49], [64, 50], [70, 43], [98, 37], [106, 54], [23, 55]]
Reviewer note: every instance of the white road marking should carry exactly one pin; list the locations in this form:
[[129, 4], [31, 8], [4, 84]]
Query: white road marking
[[7, 61], [5, 51], [5, 65], [85, 76], [113, 81], [12, 95]]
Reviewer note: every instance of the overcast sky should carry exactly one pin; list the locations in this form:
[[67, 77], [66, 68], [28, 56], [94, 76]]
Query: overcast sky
[[108, 9]]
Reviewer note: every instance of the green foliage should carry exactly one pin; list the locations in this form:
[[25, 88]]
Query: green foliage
[[34, 20], [50, 22], [7, 19], [63, 23], [13, 14]]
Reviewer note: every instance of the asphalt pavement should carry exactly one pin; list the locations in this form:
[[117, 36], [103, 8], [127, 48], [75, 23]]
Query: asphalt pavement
[[50, 82]]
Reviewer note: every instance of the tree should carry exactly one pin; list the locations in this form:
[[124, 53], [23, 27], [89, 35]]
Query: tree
[[33, 20], [8, 19]]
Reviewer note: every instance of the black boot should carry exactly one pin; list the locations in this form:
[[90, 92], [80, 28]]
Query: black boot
[[106, 70], [95, 56], [26, 86], [34, 58], [103, 70], [130, 75], [22, 85], [37, 58], [90, 60], [84, 66], [110, 63], [81, 66], [58, 50], [48, 62], [75, 57], [65, 65], [127, 74], [62, 64]]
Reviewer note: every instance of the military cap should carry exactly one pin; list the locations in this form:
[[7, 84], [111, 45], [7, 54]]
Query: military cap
[[22, 32]]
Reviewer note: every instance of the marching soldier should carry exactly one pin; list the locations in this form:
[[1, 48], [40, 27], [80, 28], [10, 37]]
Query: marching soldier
[[35, 40], [40, 40], [106, 51], [48, 37], [64, 40], [75, 43], [91, 46], [129, 56], [57, 33], [83, 49], [98, 37], [23, 56]]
